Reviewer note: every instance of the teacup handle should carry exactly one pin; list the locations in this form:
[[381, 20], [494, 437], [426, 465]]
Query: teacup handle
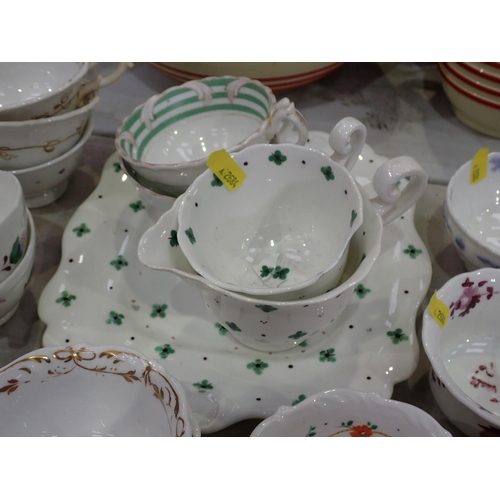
[[102, 81], [391, 202], [286, 119], [347, 139]]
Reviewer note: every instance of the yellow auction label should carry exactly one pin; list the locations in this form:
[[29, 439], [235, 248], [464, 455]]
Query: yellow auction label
[[226, 169], [479, 167], [439, 311]]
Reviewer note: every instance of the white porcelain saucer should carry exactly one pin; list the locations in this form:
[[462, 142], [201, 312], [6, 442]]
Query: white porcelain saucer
[[101, 294]]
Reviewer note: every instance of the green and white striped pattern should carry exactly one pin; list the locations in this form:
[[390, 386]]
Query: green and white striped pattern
[[181, 102]]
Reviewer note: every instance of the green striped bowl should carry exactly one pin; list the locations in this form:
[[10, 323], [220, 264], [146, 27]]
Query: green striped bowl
[[168, 138]]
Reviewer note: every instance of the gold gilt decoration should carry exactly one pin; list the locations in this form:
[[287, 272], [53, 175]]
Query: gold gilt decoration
[[88, 360], [64, 103], [48, 147]]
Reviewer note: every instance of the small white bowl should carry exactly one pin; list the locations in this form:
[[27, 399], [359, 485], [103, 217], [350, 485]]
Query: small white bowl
[[12, 288], [35, 90], [465, 354], [471, 215], [25, 144], [85, 390], [349, 413], [45, 183]]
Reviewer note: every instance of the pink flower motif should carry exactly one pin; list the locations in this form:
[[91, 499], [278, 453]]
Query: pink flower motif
[[471, 295]]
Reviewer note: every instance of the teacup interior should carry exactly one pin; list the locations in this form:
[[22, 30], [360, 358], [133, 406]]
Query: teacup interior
[[187, 126], [290, 220], [470, 342], [477, 206], [22, 81]]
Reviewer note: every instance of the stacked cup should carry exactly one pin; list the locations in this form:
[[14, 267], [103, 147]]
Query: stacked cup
[[17, 245], [45, 119]]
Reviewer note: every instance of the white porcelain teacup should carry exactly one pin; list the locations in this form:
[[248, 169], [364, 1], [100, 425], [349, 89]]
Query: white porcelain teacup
[[13, 224], [34, 90], [278, 325], [168, 138], [285, 232]]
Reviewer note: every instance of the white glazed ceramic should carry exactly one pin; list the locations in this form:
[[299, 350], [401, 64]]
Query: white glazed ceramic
[[475, 111], [169, 138], [349, 413], [284, 233], [465, 354], [87, 391], [44, 184], [374, 342], [12, 287], [472, 213], [156, 204], [25, 144], [473, 81], [34, 90], [13, 224]]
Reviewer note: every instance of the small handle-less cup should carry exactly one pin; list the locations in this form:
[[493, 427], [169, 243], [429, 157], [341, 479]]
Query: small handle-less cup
[[13, 224]]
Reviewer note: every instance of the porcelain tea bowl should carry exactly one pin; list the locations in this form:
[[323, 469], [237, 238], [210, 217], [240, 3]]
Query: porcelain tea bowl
[[13, 286], [13, 224], [46, 183], [34, 90], [349, 413], [169, 138], [28, 143], [472, 213], [85, 391], [270, 325], [156, 204], [464, 355]]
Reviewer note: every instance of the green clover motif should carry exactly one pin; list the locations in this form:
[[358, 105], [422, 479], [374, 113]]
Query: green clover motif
[[277, 157], [257, 366], [311, 432], [16, 252], [119, 262], [266, 271], [116, 166], [222, 329], [303, 344], [65, 299], [363, 257], [159, 310], [216, 181], [327, 172], [327, 355], [233, 326], [297, 335], [361, 291], [137, 206], [266, 308], [354, 214], [81, 230], [114, 318], [397, 336], [190, 234], [280, 272], [299, 400], [173, 238], [164, 350], [203, 386], [412, 251]]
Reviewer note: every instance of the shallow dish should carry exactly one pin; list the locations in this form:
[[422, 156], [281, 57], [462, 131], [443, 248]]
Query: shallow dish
[[374, 345], [169, 138], [471, 214], [464, 355], [349, 413], [12, 288], [83, 391], [44, 184], [25, 144]]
